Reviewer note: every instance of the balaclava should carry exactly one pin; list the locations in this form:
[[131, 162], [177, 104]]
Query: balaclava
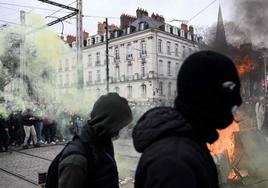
[[208, 89], [109, 115]]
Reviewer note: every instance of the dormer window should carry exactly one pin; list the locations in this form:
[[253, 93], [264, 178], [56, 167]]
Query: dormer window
[[128, 30], [182, 33], [167, 28], [175, 30], [97, 40], [89, 41], [189, 37], [142, 26]]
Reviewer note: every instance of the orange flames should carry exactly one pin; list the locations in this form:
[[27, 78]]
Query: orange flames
[[245, 64], [225, 142]]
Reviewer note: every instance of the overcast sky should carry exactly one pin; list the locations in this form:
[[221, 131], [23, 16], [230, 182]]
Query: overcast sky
[[170, 9]]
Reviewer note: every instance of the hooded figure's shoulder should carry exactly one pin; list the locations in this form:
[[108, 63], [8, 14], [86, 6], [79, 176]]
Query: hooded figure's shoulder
[[157, 124]]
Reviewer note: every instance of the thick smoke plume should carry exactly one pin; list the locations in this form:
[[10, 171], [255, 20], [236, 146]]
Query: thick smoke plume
[[34, 83], [252, 17]]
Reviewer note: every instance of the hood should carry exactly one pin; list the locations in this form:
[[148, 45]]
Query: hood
[[109, 115], [157, 123]]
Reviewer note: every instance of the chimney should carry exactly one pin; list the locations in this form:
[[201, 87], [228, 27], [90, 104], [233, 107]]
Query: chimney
[[125, 21], [70, 39], [158, 17], [85, 35], [191, 29], [141, 12], [101, 28], [184, 27]]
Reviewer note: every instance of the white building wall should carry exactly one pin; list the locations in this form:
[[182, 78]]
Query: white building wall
[[152, 76]]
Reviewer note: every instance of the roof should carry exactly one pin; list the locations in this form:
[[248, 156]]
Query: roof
[[152, 23]]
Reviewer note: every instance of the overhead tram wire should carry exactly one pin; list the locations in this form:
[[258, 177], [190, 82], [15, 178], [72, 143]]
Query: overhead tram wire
[[202, 10], [90, 16], [59, 10], [31, 7], [9, 22]]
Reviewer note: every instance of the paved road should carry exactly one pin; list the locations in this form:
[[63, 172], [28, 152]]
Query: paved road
[[27, 164]]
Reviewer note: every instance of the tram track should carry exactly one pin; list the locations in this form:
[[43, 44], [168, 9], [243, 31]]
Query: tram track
[[36, 156], [19, 176]]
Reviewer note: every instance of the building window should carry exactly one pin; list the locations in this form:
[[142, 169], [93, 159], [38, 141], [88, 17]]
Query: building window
[[169, 89], [89, 77], [143, 90], [98, 76], [129, 52], [176, 50], [161, 67], [98, 58], [143, 69], [168, 48], [117, 89], [89, 60], [183, 52], [129, 88], [159, 45], [116, 55], [129, 70], [143, 49], [161, 88], [141, 26], [97, 40], [117, 72], [169, 68]]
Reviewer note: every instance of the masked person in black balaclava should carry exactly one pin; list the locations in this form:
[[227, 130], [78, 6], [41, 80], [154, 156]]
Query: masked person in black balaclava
[[95, 168], [173, 140]]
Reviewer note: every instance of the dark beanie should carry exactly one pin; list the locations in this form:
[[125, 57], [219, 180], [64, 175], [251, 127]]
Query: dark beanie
[[110, 114], [201, 95]]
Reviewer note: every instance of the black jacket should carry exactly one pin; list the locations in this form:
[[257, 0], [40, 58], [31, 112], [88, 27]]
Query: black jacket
[[172, 154], [97, 171], [29, 119]]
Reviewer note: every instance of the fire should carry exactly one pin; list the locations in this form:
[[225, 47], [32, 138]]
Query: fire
[[245, 64], [225, 142]]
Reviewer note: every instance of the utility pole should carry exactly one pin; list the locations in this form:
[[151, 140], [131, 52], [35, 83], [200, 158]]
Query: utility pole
[[79, 44], [107, 54]]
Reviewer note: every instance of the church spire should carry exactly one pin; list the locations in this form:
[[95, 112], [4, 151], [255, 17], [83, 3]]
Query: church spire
[[220, 40]]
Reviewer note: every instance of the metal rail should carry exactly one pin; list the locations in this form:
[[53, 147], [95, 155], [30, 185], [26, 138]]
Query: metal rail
[[19, 177], [36, 156]]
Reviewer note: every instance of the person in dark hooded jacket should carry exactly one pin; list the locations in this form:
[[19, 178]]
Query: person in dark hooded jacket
[[109, 115], [173, 140]]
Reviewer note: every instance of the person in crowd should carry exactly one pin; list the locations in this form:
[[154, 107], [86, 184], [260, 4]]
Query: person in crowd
[[28, 124], [260, 113], [17, 121], [13, 129], [78, 125], [49, 130], [173, 140], [95, 166], [4, 136]]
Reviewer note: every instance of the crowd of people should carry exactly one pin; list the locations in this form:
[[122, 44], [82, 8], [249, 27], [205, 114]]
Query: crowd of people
[[25, 128]]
